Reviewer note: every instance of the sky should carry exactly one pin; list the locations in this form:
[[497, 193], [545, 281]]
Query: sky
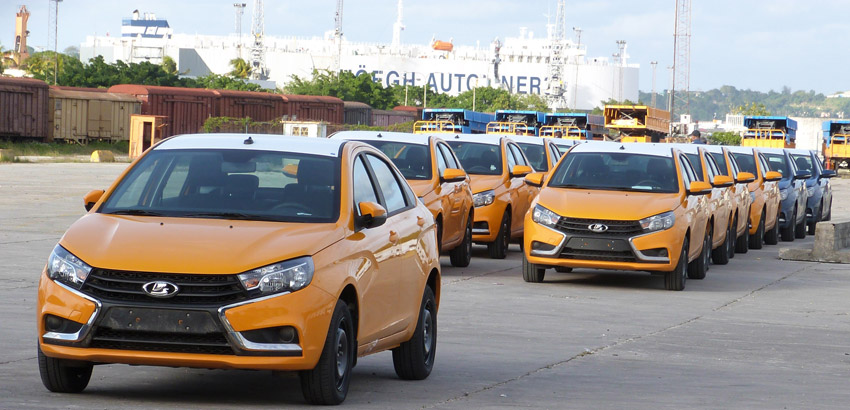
[[749, 44]]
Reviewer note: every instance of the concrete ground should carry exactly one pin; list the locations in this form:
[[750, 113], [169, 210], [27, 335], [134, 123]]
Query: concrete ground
[[757, 333]]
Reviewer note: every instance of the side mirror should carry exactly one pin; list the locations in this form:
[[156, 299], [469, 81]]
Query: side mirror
[[535, 179], [521, 171], [828, 173], [722, 181], [453, 175], [745, 177], [91, 198], [699, 188], [772, 176], [372, 215], [803, 175]]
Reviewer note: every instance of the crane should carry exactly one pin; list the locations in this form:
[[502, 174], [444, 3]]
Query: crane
[[338, 37], [681, 57], [555, 89], [258, 49]]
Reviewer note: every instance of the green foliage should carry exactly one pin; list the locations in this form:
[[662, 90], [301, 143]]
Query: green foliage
[[169, 66], [223, 82], [241, 68], [752, 108], [346, 86], [725, 138]]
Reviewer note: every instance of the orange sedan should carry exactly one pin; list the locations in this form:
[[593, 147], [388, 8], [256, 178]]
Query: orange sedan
[[764, 195], [436, 176], [209, 252]]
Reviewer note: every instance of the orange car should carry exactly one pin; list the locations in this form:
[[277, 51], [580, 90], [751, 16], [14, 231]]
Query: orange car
[[740, 195], [206, 252], [496, 166], [620, 206], [436, 176], [764, 195], [542, 153]]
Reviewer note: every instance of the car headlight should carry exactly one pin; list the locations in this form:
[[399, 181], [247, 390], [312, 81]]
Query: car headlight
[[483, 198], [810, 191], [66, 268], [783, 193], [658, 222], [544, 216], [279, 277]]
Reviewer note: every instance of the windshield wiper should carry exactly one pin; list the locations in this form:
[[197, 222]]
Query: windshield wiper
[[228, 215], [139, 212]]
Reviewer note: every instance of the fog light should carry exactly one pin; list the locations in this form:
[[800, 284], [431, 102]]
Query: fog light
[[272, 335], [655, 253], [287, 334], [57, 324], [541, 246]]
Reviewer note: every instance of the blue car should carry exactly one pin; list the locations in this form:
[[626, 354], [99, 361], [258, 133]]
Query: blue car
[[819, 204], [792, 193]]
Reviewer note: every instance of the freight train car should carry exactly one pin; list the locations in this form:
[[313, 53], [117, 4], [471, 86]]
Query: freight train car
[[637, 123], [185, 108], [81, 115], [23, 109], [385, 118], [256, 105], [357, 113], [315, 108]]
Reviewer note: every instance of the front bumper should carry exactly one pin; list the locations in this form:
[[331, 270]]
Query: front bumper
[[225, 343], [486, 222]]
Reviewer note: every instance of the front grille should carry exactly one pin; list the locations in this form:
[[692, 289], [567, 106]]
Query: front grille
[[598, 255], [196, 290], [210, 343], [573, 226]]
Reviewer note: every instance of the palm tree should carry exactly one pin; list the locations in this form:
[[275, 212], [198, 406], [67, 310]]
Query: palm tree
[[241, 68]]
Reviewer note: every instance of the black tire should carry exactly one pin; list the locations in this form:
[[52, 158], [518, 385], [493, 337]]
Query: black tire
[[827, 216], [63, 376], [733, 230], [563, 269], [800, 228], [757, 239], [742, 244], [327, 383], [531, 272], [698, 268], [439, 235], [819, 217], [675, 280], [414, 359], [788, 231], [462, 254], [720, 256], [498, 249]]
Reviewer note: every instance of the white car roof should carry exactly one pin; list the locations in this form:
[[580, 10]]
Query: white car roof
[[526, 139], [408, 137], [490, 139], [655, 149], [741, 150], [772, 150], [259, 142], [799, 151], [688, 148]]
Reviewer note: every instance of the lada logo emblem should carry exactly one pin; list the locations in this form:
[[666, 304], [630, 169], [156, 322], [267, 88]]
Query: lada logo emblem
[[160, 289], [598, 228]]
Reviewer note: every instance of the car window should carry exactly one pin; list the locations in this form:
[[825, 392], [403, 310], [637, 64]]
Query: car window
[[556, 153], [720, 159], [688, 175], [696, 164], [746, 162], [477, 158], [520, 159], [616, 171], [390, 187], [511, 159], [441, 162], [735, 169], [713, 171], [764, 165], [803, 162], [536, 155], [364, 191], [778, 163], [451, 161], [230, 184], [412, 160]]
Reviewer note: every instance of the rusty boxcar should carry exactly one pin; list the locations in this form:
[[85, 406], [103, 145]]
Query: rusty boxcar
[[186, 108], [385, 118], [23, 108], [82, 115], [259, 106], [315, 108], [357, 113]]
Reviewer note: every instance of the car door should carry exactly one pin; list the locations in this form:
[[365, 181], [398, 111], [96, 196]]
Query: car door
[[453, 197], [825, 187], [770, 192], [522, 190], [724, 195], [696, 210]]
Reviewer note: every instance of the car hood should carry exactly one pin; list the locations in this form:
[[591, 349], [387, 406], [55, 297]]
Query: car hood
[[192, 245], [480, 183], [421, 187], [614, 205]]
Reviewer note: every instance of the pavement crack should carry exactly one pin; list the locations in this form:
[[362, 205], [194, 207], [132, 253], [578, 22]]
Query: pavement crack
[[754, 291], [17, 360], [466, 278]]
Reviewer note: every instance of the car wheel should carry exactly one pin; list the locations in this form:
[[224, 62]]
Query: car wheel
[[498, 249], [63, 376], [531, 272], [462, 254], [757, 239], [563, 269], [733, 230], [800, 229], [818, 217], [327, 383], [698, 268], [742, 244], [675, 280], [439, 235], [828, 214], [720, 256], [414, 359]]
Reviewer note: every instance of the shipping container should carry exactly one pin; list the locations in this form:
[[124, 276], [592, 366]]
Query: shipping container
[[357, 113], [23, 108], [385, 118], [259, 106], [315, 108], [409, 108], [90, 115], [186, 108]]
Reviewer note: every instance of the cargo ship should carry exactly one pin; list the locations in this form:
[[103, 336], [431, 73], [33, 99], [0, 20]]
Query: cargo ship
[[520, 64]]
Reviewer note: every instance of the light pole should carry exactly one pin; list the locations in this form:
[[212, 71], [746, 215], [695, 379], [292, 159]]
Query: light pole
[[654, 65], [54, 29], [240, 9]]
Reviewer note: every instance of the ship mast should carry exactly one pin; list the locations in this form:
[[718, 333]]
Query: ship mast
[[258, 49], [398, 26], [555, 89]]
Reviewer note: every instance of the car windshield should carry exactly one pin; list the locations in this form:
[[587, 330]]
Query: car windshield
[[477, 158], [778, 163], [536, 155], [746, 162], [230, 184], [413, 160], [804, 162], [616, 171], [720, 159], [696, 163]]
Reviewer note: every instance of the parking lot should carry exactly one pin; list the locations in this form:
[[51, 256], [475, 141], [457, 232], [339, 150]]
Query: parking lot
[[757, 333]]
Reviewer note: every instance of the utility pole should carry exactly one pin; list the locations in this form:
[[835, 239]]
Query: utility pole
[[578, 31], [621, 46], [53, 30], [338, 38], [654, 66], [240, 9], [681, 57]]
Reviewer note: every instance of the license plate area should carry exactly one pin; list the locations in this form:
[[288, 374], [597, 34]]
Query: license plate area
[[598, 244], [159, 320]]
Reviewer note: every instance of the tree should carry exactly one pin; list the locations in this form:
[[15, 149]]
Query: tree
[[241, 68], [223, 82], [72, 51], [346, 86], [751, 109], [169, 66], [725, 138]]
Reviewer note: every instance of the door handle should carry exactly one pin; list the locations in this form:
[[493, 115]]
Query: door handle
[[420, 221], [393, 236]]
